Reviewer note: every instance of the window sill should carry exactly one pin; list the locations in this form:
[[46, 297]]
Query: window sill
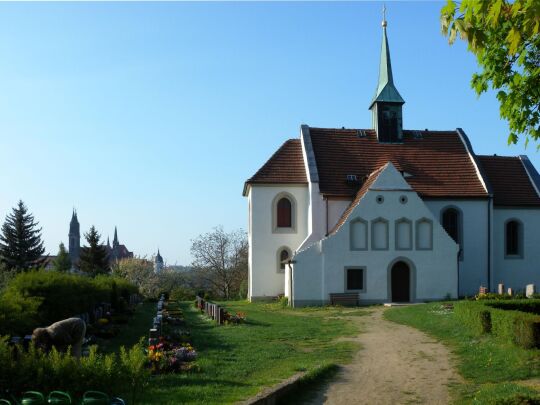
[[284, 230], [513, 257]]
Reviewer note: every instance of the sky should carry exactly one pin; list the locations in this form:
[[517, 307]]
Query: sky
[[150, 116]]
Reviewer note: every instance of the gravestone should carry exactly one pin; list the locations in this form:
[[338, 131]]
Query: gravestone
[[483, 290], [500, 289], [221, 316], [529, 290], [510, 292]]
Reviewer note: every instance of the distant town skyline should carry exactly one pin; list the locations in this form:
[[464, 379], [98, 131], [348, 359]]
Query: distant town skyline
[[150, 116]]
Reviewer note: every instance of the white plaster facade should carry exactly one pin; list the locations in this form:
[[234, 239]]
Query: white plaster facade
[[519, 270], [320, 260], [265, 241], [320, 269]]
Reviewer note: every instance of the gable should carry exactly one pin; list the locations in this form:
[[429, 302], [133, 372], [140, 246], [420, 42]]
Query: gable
[[384, 178]]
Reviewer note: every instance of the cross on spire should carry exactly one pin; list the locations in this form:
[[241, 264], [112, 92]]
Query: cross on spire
[[384, 23]]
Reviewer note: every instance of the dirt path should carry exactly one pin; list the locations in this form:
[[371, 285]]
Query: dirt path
[[397, 365]]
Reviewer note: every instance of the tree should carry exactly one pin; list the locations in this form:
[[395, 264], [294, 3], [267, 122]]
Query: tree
[[62, 261], [21, 246], [140, 272], [220, 259], [504, 36], [94, 257]]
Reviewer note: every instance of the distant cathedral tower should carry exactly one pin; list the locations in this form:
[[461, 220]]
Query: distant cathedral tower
[[158, 263], [74, 239], [387, 104]]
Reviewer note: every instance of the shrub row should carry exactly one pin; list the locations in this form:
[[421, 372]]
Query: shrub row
[[521, 328], [525, 305], [34, 369], [41, 298]]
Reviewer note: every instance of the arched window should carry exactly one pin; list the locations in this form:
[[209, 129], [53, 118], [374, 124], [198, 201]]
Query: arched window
[[283, 255], [284, 213], [513, 238], [451, 224]]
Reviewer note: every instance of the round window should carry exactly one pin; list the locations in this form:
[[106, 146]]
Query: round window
[[403, 199], [379, 199]]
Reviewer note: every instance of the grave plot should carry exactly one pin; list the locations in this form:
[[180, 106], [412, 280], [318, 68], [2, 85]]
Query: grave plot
[[169, 344]]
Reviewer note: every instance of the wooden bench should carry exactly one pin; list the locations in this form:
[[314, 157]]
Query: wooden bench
[[346, 299]]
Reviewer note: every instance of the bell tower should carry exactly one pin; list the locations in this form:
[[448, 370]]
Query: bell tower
[[74, 238], [386, 106]]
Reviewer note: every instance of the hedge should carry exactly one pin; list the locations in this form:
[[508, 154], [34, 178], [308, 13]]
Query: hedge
[[40, 298], [521, 328], [22, 370]]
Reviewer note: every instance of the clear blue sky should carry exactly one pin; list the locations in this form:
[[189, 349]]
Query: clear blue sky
[[151, 116]]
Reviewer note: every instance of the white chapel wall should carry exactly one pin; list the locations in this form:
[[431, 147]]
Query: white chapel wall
[[320, 269], [264, 278], [336, 208], [474, 264], [517, 272]]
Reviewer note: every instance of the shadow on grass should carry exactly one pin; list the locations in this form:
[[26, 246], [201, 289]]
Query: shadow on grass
[[204, 331], [309, 386], [256, 323]]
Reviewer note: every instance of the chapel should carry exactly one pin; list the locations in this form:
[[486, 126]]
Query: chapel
[[387, 214]]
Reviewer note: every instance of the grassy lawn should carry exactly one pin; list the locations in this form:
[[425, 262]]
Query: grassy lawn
[[131, 333], [491, 366], [236, 362]]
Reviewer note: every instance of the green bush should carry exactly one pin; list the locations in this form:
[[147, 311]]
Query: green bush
[[36, 370], [527, 332], [39, 298], [182, 294], [526, 305], [474, 315], [493, 297], [521, 328]]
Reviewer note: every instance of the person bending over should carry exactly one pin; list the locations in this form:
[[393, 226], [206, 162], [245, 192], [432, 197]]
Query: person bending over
[[61, 335]]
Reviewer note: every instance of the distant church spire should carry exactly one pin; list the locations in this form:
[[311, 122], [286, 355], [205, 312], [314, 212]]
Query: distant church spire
[[387, 103], [158, 263], [74, 245], [115, 239]]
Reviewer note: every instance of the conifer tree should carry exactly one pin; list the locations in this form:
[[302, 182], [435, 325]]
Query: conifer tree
[[21, 246], [62, 261], [94, 257]]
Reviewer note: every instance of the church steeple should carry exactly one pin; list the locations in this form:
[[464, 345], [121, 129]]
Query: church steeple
[[74, 238], [115, 240], [387, 103]]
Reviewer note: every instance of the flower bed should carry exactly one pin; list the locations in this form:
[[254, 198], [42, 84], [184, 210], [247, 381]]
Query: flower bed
[[171, 351]]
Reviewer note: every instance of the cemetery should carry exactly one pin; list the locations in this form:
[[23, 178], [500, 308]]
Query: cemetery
[[218, 313], [169, 342]]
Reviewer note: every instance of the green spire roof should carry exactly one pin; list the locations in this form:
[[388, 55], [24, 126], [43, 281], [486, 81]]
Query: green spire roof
[[386, 91]]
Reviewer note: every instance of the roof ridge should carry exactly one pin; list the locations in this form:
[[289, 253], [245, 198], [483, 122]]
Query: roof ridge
[[373, 130], [498, 157]]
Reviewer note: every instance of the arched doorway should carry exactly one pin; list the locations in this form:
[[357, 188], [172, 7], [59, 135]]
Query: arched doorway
[[401, 282]]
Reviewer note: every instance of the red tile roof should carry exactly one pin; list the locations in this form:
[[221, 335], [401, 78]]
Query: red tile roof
[[437, 160], [286, 166], [510, 183], [363, 190]]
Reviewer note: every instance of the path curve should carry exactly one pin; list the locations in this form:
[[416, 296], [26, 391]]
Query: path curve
[[396, 365]]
